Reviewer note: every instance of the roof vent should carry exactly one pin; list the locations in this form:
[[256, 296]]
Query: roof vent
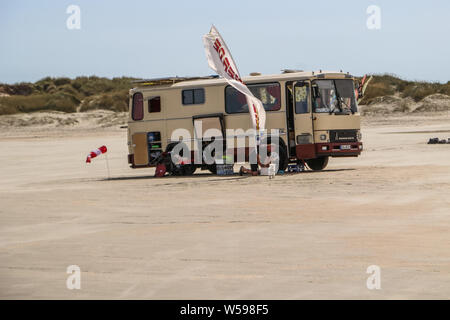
[[254, 74], [291, 70]]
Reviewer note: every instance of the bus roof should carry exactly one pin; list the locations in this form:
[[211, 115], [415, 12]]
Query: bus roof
[[180, 82]]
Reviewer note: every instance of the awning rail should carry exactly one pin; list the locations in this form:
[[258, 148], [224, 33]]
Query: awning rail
[[170, 80]]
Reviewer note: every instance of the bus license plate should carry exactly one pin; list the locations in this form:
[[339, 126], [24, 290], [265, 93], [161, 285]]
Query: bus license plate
[[345, 147]]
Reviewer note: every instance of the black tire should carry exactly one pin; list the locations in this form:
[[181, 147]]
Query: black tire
[[212, 168], [183, 170], [317, 164], [188, 169], [284, 160]]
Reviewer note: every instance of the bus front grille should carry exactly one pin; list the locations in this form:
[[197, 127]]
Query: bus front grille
[[343, 136]]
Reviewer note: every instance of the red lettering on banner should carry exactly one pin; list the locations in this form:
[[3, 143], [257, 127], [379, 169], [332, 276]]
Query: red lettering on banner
[[226, 64], [221, 53], [217, 44], [231, 72]]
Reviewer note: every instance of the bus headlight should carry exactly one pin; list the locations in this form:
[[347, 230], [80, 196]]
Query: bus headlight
[[359, 135], [304, 138], [323, 137]]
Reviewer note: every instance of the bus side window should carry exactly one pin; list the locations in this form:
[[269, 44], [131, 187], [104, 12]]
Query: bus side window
[[154, 104], [268, 93], [193, 96], [137, 111], [301, 98]]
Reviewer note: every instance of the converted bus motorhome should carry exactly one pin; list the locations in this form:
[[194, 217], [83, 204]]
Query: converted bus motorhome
[[316, 114]]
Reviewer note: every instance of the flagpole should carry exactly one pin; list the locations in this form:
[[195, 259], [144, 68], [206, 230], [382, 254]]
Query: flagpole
[[107, 166]]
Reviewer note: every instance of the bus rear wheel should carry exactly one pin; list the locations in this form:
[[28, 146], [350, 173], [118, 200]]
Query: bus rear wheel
[[317, 164], [183, 170], [188, 169], [179, 170]]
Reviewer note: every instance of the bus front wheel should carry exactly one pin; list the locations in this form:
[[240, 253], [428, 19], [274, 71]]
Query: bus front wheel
[[317, 164], [212, 168]]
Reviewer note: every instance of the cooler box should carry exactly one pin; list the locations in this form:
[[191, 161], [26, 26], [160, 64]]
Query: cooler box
[[225, 169]]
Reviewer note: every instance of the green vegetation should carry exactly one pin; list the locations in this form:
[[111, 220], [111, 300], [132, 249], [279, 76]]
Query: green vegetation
[[66, 95], [115, 101], [387, 85]]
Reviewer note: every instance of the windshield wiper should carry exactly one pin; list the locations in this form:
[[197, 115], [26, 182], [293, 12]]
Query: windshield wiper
[[338, 99]]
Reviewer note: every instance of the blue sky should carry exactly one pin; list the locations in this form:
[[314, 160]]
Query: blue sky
[[163, 38]]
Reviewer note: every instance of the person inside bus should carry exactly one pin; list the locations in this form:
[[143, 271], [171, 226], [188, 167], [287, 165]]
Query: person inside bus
[[270, 157], [327, 101]]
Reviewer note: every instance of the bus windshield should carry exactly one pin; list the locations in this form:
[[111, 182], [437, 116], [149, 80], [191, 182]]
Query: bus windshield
[[334, 96]]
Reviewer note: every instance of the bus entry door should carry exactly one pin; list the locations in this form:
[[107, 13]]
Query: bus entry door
[[303, 121]]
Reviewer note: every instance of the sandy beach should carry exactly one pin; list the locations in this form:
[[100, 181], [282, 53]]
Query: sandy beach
[[300, 236]]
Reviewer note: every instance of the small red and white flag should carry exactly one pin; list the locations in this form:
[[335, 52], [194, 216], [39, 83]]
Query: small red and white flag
[[95, 153]]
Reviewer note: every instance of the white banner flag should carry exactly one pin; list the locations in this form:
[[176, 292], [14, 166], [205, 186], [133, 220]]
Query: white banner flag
[[221, 61]]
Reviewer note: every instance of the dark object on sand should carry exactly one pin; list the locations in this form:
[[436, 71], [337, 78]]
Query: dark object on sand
[[437, 141], [225, 169], [293, 168]]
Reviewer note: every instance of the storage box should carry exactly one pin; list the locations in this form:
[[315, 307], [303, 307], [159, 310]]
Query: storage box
[[225, 169]]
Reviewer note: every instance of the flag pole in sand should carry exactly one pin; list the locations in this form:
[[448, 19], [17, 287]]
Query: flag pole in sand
[[107, 166]]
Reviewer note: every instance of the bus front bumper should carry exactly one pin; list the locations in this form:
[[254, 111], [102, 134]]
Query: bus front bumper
[[339, 149]]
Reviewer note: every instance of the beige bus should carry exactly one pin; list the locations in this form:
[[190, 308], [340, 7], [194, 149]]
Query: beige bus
[[316, 114]]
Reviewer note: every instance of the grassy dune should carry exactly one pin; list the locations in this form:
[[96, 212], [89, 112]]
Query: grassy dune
[[66, 95], [390, 85]]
